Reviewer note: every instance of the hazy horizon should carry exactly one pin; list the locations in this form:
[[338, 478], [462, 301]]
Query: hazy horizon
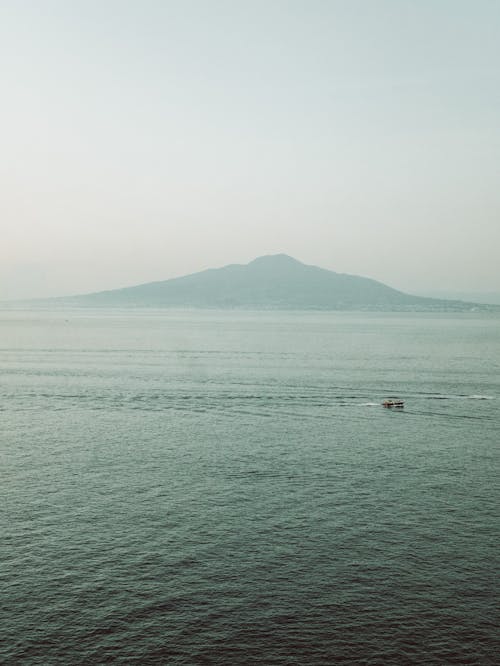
[[142, 142], [485, 298], [491, 298]]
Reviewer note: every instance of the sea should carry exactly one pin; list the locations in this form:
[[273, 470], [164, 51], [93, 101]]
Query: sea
[[223, 487]]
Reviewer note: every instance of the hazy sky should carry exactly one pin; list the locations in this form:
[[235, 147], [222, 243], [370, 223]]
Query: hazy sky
[[141, 140]]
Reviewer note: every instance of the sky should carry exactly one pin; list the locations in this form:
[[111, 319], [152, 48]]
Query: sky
[[143, 140]]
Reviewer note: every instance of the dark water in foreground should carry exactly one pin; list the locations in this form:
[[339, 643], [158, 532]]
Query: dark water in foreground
[[221, 488]]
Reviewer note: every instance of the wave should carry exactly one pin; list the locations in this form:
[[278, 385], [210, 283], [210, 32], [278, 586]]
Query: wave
[[458, 397], [479, 397]]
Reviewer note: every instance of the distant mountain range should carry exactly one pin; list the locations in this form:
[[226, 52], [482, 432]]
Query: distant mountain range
[[270, 282], [486, 297]]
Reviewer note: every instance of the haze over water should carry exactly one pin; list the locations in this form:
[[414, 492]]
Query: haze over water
[[225, 488], [145, 141]]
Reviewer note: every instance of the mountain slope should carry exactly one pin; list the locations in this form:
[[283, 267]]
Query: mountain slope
[[269, 282]]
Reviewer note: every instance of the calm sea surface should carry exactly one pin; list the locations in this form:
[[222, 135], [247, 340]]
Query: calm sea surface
[[225, 488]]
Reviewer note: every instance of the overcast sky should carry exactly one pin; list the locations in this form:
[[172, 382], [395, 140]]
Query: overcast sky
[[142, 140]]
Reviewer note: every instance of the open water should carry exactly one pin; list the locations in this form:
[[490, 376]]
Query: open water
[[225, 488]]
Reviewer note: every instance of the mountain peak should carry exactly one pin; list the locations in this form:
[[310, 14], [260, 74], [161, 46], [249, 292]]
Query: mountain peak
[[276, 259]]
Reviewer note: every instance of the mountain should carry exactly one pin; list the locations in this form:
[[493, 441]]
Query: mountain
[[269, 282]]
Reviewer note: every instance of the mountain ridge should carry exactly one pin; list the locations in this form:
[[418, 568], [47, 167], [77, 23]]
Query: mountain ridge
[[269, 282]]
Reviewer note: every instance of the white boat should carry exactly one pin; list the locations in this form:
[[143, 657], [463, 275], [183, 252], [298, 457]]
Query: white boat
[[393, 403]]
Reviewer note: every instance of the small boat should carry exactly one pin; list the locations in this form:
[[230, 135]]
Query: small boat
[[393, 403]]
